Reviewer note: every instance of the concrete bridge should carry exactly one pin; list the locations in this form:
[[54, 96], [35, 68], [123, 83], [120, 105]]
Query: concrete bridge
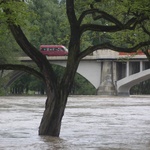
[[108, 71]]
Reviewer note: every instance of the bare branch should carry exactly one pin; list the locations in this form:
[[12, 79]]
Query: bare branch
[[98, 14], [101, 14], [21, 68], [26, 46], [71, 12], [100, 28], [85, 13], [145, 30], [112, 47]]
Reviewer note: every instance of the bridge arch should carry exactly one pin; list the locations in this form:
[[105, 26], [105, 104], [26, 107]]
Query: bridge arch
[[124, 85], [93, 76], [15, 75]]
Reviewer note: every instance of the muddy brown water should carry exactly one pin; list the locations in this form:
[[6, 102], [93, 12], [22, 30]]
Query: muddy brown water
[[89, 123]]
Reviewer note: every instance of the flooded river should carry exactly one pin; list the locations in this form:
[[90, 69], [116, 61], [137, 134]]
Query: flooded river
[[90, 123]]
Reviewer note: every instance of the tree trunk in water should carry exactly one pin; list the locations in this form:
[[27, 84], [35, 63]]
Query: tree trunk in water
[[54, 111]]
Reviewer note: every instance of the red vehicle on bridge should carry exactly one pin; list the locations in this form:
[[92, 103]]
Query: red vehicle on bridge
[[53, 50]]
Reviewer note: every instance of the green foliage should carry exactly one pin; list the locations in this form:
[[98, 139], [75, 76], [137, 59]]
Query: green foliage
[[82, 87], [128, 38], [27, 83], [8, 47], [125, 10], [140, 6], [3, 81], [49, 22], [18, 9], [141, 88]]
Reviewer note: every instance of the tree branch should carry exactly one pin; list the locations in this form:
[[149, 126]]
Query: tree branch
[[22, 68], [145, 30], [112, 47], [101, 14], [71, 12], [85, 13], [147, 53], [26, 46], [100, 28], [98, 14]]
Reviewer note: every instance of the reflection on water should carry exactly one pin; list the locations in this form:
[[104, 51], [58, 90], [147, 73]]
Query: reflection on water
[[90, 122]]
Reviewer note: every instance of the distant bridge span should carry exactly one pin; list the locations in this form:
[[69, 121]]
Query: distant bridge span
[[88, 64], [106, 72], [124, 85]]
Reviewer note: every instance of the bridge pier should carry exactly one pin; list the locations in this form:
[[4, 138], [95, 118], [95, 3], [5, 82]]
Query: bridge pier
[[107, 86]]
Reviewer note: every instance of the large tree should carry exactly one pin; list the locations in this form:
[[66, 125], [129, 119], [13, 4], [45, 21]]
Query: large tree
[[100, 16]]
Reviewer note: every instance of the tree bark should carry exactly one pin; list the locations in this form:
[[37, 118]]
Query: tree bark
[[54, 111], [57, 97]]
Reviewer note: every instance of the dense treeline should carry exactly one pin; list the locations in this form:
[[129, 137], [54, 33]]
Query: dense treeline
[[141, 88]]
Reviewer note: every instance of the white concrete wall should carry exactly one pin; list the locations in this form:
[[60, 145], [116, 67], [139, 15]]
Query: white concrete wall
[[89, 69]]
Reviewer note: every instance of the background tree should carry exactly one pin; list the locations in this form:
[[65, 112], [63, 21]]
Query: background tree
[[9, 50], [141, 88], [48, 22], [27, 83], [90, 19]]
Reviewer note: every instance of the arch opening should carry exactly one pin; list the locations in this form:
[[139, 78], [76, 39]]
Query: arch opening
[[124, 85], [23, 83], [142, 88]]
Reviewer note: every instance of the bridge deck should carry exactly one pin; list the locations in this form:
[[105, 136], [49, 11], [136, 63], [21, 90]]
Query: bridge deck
[[92, 57]]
